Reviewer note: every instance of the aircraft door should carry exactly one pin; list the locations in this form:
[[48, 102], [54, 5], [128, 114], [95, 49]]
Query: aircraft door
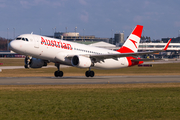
[[36, 42]]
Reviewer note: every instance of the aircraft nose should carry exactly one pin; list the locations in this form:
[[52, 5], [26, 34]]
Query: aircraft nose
[[13, 45]]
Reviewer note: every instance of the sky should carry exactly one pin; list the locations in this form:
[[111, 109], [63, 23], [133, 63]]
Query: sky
[[102, 18]]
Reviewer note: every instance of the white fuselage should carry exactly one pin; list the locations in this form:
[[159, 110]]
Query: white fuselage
[[56, 51]]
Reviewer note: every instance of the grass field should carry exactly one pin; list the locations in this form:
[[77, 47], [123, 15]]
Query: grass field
[[80, 102], [12, 61]]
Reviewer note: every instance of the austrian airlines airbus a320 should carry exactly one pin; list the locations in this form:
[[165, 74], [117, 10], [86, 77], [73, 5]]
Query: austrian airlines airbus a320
[[40, 50]]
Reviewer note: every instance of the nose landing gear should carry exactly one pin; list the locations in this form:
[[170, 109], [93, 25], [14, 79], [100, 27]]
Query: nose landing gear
[[27, 61]]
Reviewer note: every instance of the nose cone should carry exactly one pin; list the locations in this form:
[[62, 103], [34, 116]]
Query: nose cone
[[11, 45], [14, 46]]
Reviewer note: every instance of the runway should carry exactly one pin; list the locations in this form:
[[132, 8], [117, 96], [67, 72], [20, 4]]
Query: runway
[[83, 80]]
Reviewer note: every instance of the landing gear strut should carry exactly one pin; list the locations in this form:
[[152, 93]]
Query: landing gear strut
[[58, 73], [89, 73], [27, 61]]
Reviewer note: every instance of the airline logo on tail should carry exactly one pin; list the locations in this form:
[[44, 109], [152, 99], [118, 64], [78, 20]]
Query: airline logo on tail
[[132, 43]]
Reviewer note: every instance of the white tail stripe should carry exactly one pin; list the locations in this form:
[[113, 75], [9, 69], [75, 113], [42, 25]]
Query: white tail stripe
[[132, 45]]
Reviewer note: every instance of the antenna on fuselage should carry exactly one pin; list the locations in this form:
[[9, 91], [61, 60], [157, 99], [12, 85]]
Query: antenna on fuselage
[[31, 33]]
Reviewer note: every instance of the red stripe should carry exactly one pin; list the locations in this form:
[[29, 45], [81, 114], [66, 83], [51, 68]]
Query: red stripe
[[127, 50], [124, 49], [138, 30], [134, 42], [167, 44], [133, 63]]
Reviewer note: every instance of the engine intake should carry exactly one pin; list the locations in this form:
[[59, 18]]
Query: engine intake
[[81, 61]]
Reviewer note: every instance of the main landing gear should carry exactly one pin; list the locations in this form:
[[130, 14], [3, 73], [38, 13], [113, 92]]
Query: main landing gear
[[89, 73], [58, 73]]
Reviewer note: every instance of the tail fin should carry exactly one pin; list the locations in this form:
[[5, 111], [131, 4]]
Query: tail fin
[[132, 43]]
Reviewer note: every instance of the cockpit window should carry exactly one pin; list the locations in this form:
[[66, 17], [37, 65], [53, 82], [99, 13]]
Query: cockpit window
[[18, 38], [24, 39]]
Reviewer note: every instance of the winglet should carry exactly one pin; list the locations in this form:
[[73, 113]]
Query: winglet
[[165, 48]]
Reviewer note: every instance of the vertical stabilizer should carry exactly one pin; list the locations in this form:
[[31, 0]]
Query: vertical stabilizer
[[132, 43]]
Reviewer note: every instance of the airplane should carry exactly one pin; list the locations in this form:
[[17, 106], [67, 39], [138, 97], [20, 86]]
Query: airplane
[[40, 50]]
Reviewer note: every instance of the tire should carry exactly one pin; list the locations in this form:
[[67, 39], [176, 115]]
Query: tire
[[87, 73], [58, 73], [26, 66], [91, 73]]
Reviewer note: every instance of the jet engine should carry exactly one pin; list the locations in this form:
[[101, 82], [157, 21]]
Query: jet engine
[[81, 61], [34, 62]]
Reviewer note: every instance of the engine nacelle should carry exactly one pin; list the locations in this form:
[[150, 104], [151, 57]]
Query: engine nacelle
[[81, 61], [34, 63], [37, 63]]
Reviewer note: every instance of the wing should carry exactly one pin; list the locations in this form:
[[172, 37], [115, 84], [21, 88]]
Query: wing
[[118, 55], [101, 57]]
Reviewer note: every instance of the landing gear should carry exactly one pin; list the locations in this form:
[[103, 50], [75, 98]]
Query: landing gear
[[27, 62], [58, 73], [26, 66], [89, 73]]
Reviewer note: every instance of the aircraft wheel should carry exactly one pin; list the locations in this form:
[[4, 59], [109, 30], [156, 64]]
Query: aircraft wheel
[[26, 66], [58, 73], [89, 73]]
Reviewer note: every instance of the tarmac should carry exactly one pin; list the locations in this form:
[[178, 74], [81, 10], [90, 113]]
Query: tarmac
[[83, 80]]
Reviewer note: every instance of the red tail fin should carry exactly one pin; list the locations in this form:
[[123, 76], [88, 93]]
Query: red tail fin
[[132, 43]]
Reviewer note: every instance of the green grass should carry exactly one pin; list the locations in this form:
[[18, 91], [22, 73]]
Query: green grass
[[12, 61], [89, 102]]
